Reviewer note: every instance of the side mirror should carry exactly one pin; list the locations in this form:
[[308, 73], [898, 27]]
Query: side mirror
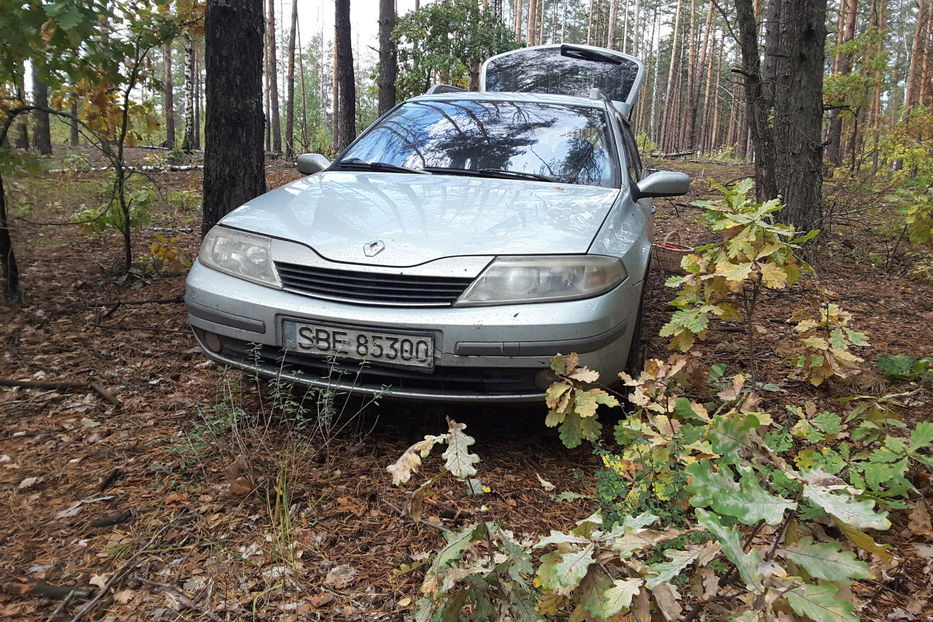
[[663, 184], [311, 163]]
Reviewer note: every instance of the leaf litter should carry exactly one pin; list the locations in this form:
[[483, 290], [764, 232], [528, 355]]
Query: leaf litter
[[217, 552]]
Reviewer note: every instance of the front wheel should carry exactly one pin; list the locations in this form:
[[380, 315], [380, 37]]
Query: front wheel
[[636, 356]]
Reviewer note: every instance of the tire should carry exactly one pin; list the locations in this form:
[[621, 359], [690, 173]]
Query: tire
[[636, 359]]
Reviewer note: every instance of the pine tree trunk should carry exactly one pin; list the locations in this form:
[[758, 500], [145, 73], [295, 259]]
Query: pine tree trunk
[[694, 84], [187, 143], [798, 120], [532, 22], [388, 61], [757, 107], [589, 23], [667, 115], [168, 95], [290, 87], [347, 92], [233, 156], [517, 19], [274, 83], [41, 131], [11, 291]]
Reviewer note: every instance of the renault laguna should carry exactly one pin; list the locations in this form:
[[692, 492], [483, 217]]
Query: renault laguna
[[455, 247]]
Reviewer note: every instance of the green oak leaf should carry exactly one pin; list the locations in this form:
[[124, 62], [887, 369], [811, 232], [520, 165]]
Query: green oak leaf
[[620, 595], [823, 560], [746, 500], [846, 507], [819, 603], [746, 563], [572, 567], [666, 571]]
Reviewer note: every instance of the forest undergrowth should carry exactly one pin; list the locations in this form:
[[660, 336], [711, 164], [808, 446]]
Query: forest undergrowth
[[197, 492]]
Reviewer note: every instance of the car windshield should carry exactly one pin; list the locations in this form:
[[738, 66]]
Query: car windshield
[[524, 140]]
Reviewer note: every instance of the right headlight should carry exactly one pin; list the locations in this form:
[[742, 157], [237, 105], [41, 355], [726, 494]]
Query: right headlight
[[514, 280], [241, 254]]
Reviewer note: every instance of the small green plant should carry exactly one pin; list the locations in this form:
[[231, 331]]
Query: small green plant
[[826, 342], [76, 161], [725, 279], [110, 218], [726, 460], [185, 200], [902, 367]]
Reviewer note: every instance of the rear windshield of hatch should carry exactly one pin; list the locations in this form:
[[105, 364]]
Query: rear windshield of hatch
[[563, 142]]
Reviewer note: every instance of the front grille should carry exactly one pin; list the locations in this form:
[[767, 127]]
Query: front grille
[[371, 287], [478, 380]]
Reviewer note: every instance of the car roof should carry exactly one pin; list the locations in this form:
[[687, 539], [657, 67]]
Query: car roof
[[540, 98]]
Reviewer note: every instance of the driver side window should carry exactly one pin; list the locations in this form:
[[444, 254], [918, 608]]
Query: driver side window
[[632, 159]]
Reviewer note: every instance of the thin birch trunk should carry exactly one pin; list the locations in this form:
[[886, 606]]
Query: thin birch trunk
[[168, 95], [187, 143]]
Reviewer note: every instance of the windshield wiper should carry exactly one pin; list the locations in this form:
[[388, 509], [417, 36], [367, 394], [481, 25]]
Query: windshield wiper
[[357, 164], [490, 172]]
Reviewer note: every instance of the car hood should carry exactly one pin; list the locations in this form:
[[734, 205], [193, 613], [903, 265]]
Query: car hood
[[420, 218]]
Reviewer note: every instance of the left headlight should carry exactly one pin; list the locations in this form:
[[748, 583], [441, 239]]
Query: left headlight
[[513, 280], [241, 254]]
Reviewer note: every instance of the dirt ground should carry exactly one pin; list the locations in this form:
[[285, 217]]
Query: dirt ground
[[127, 481]]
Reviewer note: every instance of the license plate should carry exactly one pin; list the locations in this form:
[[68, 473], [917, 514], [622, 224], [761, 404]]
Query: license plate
[[361, 345]]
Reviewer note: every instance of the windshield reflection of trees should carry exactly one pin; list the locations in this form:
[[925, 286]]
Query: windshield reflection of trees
[[561, 142], [547, 71]]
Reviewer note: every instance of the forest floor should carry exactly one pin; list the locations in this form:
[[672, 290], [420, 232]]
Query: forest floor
[[156, 498]]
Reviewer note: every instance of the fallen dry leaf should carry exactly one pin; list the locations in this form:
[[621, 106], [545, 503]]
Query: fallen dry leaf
[[340, 577], [319, 600], [175, 497], [124, 596], [29, 482], [920, 523], [240, 487], [548, 486], [98, 581]]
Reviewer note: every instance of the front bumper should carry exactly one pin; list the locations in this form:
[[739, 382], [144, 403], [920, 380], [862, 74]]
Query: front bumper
[[482, 353]]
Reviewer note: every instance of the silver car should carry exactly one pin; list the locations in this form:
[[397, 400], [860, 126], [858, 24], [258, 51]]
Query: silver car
[[455, 247]]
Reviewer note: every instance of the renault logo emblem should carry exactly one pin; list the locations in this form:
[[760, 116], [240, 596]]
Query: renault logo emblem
[[371, 249]]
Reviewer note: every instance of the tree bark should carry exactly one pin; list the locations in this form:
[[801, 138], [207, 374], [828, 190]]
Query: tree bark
[[187, 143], [841, 66], [290, 87], [757, 107], [168, 95], [20, 124], [787, 130], [667, 115], [347, 86], [388, 57], [275, 124], [611, 35], [41, 131], [532, 22], [233, 156], [11, 291]]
